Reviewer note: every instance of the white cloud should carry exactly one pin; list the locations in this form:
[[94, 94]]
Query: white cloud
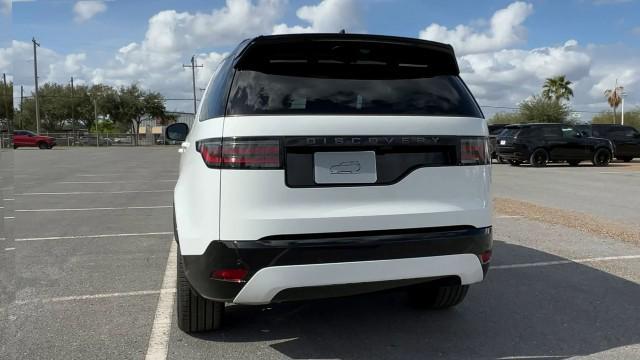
[[328, 16], [498, 72], [52, 66], [156, 62], [85, 10], [6, 59], [501, 75], [505, 29], [5, 7], [170, 31], [506, 77]]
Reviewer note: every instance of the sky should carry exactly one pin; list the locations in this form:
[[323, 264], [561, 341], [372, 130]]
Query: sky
[[505, 49]]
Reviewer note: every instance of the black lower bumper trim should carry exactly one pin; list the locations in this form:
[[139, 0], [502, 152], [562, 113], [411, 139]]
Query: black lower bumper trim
[[327, 248]]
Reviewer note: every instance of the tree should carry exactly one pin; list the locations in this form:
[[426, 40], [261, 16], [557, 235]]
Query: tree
[[6, 105], [505, 118], [557, 88], [631, 118], [614, 98], [130, 105], [540, 109]]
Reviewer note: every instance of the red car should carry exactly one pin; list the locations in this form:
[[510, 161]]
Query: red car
[[26, 138]]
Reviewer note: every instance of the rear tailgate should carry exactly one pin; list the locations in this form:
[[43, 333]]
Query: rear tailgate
[[259, 203]]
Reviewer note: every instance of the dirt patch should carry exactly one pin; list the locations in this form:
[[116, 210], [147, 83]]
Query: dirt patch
[[573, 219], [631, 166]]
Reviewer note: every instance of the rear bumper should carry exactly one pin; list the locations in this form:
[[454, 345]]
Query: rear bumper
[[279, 267], [511, 153]]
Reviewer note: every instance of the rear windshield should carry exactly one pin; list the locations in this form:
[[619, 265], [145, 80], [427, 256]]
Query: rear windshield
[[342, 76], [510, 132], [257, 93], [615, 132]]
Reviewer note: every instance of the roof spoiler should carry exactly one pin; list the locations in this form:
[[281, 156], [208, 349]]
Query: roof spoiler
[[430, 57]]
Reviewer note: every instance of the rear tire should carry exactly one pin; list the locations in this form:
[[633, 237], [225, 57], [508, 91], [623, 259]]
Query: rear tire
[[437, 295], [601, 157], [194, 312], [43, 146], [539, 158]]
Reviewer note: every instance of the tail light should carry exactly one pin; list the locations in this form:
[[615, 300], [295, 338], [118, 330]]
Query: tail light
[[474, 151], [239, 153]]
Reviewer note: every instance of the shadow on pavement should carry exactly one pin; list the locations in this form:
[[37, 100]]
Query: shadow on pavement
[[557, 311]]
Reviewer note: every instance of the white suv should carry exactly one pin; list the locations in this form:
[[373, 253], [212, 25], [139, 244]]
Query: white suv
[[322, 165]]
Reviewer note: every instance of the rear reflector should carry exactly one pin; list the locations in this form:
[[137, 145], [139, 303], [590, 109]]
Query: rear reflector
[[474, 151], [233, 275], [240, 154], [485, 257]]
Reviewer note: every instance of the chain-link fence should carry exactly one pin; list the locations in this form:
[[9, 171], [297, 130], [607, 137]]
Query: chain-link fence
[[96, 140], [108, 139], [5, 141]]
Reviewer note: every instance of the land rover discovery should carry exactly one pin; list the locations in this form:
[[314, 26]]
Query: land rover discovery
[[323, 165]]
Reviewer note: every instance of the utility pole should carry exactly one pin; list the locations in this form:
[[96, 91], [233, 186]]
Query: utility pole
[[4, 98], [35, 74], [622, 95], [193, 67], [95, 114], [21, 99], [73, 118]]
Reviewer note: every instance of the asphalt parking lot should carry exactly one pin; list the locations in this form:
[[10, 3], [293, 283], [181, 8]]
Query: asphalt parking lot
[[87, 235]]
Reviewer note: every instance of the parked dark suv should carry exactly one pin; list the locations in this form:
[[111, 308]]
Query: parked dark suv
[[541, 143], [626, 139], [494, 130]]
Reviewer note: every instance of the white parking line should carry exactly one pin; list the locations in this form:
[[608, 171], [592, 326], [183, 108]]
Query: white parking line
[[159, 339], [9, 249], [96, 296], [93, 236], [116, 174], [567, 261], [114, 182], [99, 175], [95, 209], [94, 192], [8, 199], [534, 357], [9, 217]]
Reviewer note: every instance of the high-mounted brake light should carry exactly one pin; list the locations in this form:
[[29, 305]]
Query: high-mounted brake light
[[474, 151], [240, 153]]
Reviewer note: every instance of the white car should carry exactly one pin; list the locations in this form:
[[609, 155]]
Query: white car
[[331, 164]]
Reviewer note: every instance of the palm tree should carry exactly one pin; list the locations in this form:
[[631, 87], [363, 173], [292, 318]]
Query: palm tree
[[557, 88], [614, 98]]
